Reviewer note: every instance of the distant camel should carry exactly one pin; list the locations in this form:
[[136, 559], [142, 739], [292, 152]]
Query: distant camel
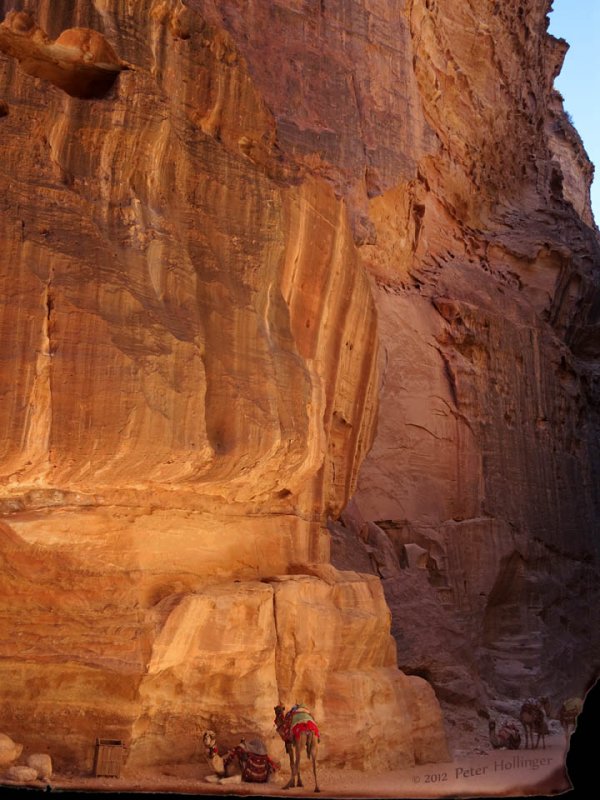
[[298, 729], [508, 736], [533, 719], [568, 713]]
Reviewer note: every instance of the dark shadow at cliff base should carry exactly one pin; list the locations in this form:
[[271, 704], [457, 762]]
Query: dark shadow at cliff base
[[582, 758]]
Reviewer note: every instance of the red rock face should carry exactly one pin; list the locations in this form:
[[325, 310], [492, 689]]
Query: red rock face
[[287, 236], [487, 455], [189, 344]]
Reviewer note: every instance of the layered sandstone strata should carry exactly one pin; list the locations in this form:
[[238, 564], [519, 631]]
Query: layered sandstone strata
[[189, 338], [102, 651]]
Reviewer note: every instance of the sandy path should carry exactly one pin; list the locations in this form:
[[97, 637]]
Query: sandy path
[[499, 773]]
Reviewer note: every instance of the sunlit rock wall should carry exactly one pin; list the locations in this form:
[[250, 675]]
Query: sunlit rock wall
[[189, 355]]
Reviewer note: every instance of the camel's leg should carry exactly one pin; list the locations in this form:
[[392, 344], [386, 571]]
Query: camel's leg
[[542, 733], [314, 763], [298, 745], [290, 751], [231, 779], [313, 757]]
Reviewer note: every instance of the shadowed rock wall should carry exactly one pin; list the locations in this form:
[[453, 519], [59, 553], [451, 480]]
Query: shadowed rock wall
[[486, 267]]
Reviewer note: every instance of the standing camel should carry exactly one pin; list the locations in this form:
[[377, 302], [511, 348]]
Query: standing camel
[[298, 729], [533, 719], [568, 713]]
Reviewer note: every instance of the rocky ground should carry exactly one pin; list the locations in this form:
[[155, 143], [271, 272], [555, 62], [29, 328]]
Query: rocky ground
[[498, 773], [474, 769]]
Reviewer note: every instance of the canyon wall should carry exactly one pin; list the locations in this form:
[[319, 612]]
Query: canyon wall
[[265, 266], [188, 349], [486, 463]]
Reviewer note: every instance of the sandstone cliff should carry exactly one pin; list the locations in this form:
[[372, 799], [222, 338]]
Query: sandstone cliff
[[189, 338], [249, 249], [486, 268]]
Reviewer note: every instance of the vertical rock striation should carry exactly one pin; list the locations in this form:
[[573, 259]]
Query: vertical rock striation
[[188, 340], [486, 267]]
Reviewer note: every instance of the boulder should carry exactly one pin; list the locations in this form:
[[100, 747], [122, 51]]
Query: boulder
[[9, 750], [21, 774], [42, 763]]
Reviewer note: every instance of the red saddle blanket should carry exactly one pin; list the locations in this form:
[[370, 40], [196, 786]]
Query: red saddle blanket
[[256, 767], [305, 726], [296, 722]]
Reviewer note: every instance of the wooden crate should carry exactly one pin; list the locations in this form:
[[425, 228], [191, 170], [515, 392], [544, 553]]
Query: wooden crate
[[108, 758]]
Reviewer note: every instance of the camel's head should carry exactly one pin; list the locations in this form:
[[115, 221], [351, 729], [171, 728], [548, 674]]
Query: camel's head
[[209, 738], [279, 710]]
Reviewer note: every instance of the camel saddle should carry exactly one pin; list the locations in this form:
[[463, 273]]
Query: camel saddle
[[256, 767], [573, 706], [297, 721]]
